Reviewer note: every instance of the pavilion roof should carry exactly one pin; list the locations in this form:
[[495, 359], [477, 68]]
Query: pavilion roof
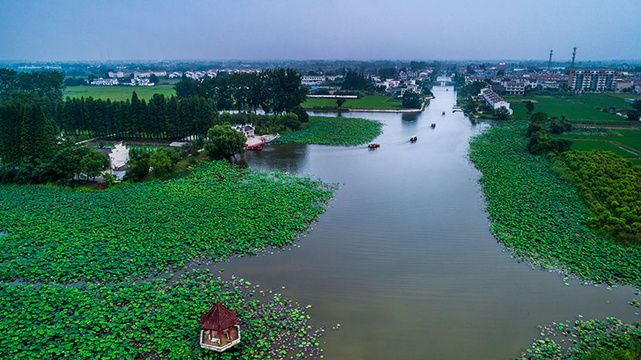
[[218, 318]]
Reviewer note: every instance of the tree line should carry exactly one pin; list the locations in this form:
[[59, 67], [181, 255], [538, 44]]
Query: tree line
[[160, 118], [273, 91]]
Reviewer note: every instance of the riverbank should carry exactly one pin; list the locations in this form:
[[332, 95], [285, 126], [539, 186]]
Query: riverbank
[[543, 221], [541, 218]]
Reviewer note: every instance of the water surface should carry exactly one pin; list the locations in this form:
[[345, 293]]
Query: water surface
[[403, 258]]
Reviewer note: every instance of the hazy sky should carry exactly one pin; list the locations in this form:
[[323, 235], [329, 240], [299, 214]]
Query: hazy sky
[[62, 30]]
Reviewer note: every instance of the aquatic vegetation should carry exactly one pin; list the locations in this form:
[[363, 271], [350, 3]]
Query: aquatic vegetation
[[151, 319], [335, 131], [213, 212], [580, 338], [611, 186], [542, 218]]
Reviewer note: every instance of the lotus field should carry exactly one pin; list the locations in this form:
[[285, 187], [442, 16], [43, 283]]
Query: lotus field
[[213, 212], [542, 218], [576, 339], [335, 131], [152, 319], [106, 240]]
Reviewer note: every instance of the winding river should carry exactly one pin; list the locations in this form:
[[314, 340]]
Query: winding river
[[403, 258]]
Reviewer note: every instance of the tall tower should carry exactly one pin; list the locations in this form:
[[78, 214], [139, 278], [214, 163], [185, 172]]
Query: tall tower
[[573, 56], [550, 61]]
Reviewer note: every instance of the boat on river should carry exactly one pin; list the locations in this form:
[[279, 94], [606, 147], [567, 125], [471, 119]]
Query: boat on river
[[373, 145], [255, 147], [413, 138]]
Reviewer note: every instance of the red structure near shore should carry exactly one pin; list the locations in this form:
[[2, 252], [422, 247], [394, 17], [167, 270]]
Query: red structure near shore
[[220, 329]]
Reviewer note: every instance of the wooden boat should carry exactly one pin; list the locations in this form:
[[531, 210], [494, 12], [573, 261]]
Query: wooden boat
[[374, 145], [414, 138], [254, 147]]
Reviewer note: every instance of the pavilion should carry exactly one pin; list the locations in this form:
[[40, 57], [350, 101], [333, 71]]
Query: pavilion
[[220, 330]]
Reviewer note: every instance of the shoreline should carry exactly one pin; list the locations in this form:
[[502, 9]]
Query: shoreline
[[337, 110]]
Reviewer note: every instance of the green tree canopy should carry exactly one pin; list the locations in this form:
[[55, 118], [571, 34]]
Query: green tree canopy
[[411, 100], [224, 142]]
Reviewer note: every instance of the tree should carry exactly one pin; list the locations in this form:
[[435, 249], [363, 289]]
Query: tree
[[302, 114], [529, 106], [291, 121], [138, 169], [560, 126], [502, 113], [540, 143], [411, 100], [633, 115], [224, 142], [66, 163], [154, 79], [355, 81], [93, 163], [161, 162], [340, 102]]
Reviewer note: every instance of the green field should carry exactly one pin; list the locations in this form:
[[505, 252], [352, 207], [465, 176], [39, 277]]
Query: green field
[[630, 139], [119, 93], [367, 102], [576, 108]]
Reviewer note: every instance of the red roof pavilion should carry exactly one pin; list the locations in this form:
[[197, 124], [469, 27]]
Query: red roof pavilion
[[218, 318]]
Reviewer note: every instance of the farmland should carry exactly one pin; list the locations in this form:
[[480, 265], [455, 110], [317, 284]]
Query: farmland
[[117, 93], [623, 142], [584, 108]]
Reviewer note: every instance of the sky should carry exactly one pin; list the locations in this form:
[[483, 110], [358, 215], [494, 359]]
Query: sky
[[77, 30]]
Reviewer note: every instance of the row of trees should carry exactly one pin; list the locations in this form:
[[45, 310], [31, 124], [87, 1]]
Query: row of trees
[[157, 119], [273, 91], [46, 83]]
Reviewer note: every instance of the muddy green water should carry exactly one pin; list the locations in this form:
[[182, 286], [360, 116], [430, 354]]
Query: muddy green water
[[403, 258]]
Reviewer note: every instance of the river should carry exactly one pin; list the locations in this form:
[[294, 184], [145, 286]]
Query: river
[[403, 258]]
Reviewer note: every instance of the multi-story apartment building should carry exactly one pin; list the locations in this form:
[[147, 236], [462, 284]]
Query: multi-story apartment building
[[592, 80]]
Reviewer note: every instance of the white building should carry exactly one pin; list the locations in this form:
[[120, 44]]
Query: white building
[[494, 101], [104, 82], [247, 129], [309, 80]]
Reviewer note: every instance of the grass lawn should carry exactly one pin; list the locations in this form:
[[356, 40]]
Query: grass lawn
[[626, 138], [576, 108], [118, 92], [367, 102]]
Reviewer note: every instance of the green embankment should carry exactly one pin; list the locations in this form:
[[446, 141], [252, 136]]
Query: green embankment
[[108, 239], [117, 93], [366, 102], [543, 219], [584, 108], [335, 131]]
